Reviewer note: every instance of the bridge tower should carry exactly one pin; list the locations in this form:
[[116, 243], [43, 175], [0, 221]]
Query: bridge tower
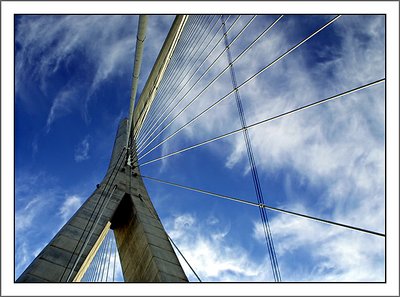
[[121, 203]]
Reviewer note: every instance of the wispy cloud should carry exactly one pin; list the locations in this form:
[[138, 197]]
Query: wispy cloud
[[80, 52], [24, 216], [22, 257], [33, 191], [82, 150], [336, 254], [34, 200], [70, 205], [63, 42], [61, 105], [205, 245], [335, 150], [339, 145], [37, 200]]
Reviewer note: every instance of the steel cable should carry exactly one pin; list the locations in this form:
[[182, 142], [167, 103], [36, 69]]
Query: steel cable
[[184, 258], [322, 101], [235, 21], [242, 84], [142, 143], [198, 95], [253, 167], [276, 209], [96, 216], [145, 145], [167, 102], [182, 44]]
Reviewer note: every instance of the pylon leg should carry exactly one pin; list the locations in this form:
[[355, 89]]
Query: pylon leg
[[145, 251]]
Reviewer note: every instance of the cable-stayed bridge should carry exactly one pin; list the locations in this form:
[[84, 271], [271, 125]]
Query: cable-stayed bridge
[[119, 218]]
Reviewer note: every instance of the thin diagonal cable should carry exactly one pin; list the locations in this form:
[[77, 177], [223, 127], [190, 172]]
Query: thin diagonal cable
[[90, 234], [92, 268], [253, 166], [242, 84], [162, 109], [198, 68], [100, 212], [157, 112], [88, 222], [208, 85], [158, 117], [187, 262], [232, 91], [105, 259], [183, 43], [100, 255], [265, 121], [103, 262], [186, 56], [89, 271], [95, 267], [247, 202], [115, 258], [203, 90], [103, 248], [85, 277], [205, 59], [190, 89], [189, 26], [109, 254], [151, 90], [94, 211], [143, 145], [107, 243], [167, 86]]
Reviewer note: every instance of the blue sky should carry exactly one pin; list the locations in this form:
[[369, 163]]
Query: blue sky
[[72, 86]]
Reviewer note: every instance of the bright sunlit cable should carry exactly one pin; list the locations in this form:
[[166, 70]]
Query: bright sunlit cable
[[177, 74], [266, 120], [204, 60], [243, 201], [140, 150]]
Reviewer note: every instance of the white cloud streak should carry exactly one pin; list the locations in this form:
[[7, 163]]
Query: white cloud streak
[[82, 150], [87, 50], [38, 199], [62, 41], [336, 254], [337, 147], [32, 204], [205, 246], [61, 105], [70, 205], [25, 216]]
